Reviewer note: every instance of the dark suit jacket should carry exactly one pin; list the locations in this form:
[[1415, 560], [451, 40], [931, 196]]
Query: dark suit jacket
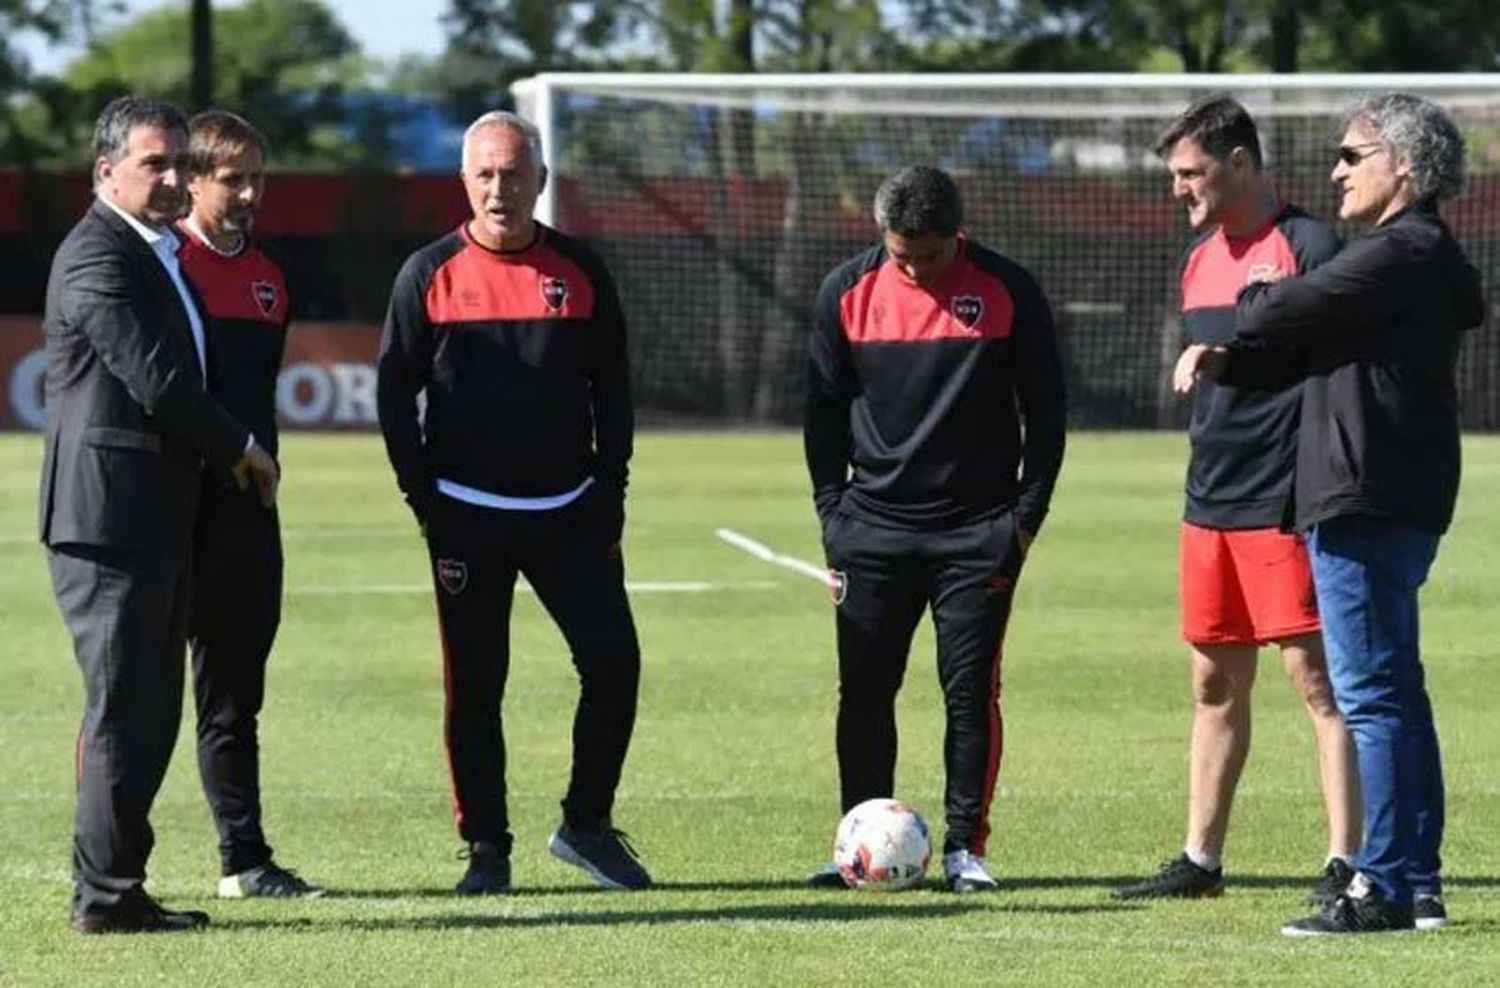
[[129, 426]]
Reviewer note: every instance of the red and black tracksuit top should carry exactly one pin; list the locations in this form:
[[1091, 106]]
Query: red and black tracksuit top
[[929, 407], [1244, 440], [523, 360], [245, 309]]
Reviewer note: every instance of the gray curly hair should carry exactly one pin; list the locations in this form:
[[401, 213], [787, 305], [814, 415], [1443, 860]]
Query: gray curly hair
[[1420, 131]]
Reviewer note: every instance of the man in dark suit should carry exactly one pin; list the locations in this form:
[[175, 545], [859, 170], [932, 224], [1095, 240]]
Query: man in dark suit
[[130, 431]]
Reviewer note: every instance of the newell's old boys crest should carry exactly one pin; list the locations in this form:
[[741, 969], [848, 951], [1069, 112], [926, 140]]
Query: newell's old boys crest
[[554, 293], [453, 574], [967, 309], [266, 296], [838, 586]]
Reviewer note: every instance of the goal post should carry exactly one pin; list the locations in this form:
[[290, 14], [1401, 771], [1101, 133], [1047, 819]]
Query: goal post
[[720, 201]]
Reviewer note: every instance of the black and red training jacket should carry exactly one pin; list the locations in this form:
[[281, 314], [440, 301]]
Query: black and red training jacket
[[930, 406]]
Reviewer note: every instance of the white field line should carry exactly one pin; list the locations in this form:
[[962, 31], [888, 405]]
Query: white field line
[[647, 586], [762, 551]]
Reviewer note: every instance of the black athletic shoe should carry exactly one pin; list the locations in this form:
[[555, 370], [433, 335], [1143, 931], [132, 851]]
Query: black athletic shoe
[[1334, 882], [828, 877], [488, 873], [1359, 910], [1177, 879], [604, 853], [1429, 912]]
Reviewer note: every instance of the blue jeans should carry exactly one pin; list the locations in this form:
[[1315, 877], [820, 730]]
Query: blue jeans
[[1367, 574]]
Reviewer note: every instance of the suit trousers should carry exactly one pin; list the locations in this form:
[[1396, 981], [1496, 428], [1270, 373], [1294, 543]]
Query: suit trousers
[[571, 558], [882, 580], [127, 614], [236, 609]]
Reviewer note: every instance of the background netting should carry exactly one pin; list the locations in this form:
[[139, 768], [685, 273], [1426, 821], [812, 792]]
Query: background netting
[[720, 210]]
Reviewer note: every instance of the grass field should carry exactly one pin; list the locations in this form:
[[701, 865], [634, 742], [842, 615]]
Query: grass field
[[730, 790]]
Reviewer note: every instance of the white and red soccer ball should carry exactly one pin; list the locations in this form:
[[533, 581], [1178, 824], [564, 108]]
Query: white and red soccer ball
[[882, 844]]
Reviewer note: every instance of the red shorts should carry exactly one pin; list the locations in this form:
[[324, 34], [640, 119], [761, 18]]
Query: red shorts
[[1245, 587]]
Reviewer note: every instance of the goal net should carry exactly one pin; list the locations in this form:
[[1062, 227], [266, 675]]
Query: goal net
[[719, 203]]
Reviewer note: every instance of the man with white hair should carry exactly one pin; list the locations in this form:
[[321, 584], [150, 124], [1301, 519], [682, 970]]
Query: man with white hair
[[1376, 330], [518, 467]]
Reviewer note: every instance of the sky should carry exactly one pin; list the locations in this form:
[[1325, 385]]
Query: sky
[[383, 28]]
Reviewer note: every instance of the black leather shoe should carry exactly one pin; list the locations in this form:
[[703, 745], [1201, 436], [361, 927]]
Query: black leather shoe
[[137, 912]]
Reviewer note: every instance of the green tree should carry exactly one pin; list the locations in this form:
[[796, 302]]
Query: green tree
[[55, 20], [286, 64], [1403, 36]]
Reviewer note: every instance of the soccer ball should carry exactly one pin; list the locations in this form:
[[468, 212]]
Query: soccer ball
[[882, 844]]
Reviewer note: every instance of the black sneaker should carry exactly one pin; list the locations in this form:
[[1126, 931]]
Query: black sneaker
[[488, 873], [1334, 882], [1177, 879], [269, 881], [828, 877], [1429, 912], [604, 853], [1359, 910]]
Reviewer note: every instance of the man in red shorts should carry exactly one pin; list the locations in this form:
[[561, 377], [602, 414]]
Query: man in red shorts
[[1245, 582]]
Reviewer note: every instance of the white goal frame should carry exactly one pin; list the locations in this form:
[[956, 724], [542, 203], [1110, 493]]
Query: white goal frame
[[534, 96]]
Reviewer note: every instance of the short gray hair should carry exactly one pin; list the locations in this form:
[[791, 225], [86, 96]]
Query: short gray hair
[[516, 122], [125, 113], [918, 200], [1420, 131]]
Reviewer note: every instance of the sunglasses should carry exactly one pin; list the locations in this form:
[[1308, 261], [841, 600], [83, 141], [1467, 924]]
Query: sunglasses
[[1351, 154]]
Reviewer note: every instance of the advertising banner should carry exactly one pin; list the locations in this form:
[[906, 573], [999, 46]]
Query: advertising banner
[[327, 378]]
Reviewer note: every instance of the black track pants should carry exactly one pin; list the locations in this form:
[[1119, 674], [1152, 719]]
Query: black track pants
[[884, 579], [570, 558]]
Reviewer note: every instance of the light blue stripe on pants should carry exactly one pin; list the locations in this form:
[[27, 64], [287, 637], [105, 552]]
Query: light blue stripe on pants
[[1367, 573]]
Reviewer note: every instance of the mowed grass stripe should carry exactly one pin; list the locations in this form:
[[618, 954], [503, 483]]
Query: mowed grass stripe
[[731, 790]]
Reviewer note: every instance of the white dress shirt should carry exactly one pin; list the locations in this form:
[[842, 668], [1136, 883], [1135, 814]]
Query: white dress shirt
[[163, 243]]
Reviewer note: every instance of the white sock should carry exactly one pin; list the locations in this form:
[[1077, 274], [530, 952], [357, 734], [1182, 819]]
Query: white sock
[[1348, 859], [1201, 858]]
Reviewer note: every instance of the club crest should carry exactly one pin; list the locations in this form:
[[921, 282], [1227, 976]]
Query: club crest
[[266, 296], [1264, 273], [554, 293], [453, 575], [967, 309], [838, 586]]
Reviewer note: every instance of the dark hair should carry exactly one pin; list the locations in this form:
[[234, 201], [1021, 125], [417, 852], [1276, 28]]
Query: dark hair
[[1421, 132], [917, 200], [1219, 124], [123, 114], [217, 135]]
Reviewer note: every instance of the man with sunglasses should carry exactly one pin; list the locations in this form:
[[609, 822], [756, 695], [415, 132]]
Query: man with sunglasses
[[1244, 582], [1377, 332]]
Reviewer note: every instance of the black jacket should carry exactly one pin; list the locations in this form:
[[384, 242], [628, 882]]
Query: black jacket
[[1378, 328], [129, 426]]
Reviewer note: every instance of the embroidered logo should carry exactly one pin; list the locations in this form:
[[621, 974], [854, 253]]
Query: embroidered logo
[[1263, 272], [453, 575], [554, 293], [266, 296], [838, 586], [967, 309]]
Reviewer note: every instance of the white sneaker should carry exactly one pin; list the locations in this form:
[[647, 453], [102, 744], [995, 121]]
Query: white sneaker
[[966, 872]]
